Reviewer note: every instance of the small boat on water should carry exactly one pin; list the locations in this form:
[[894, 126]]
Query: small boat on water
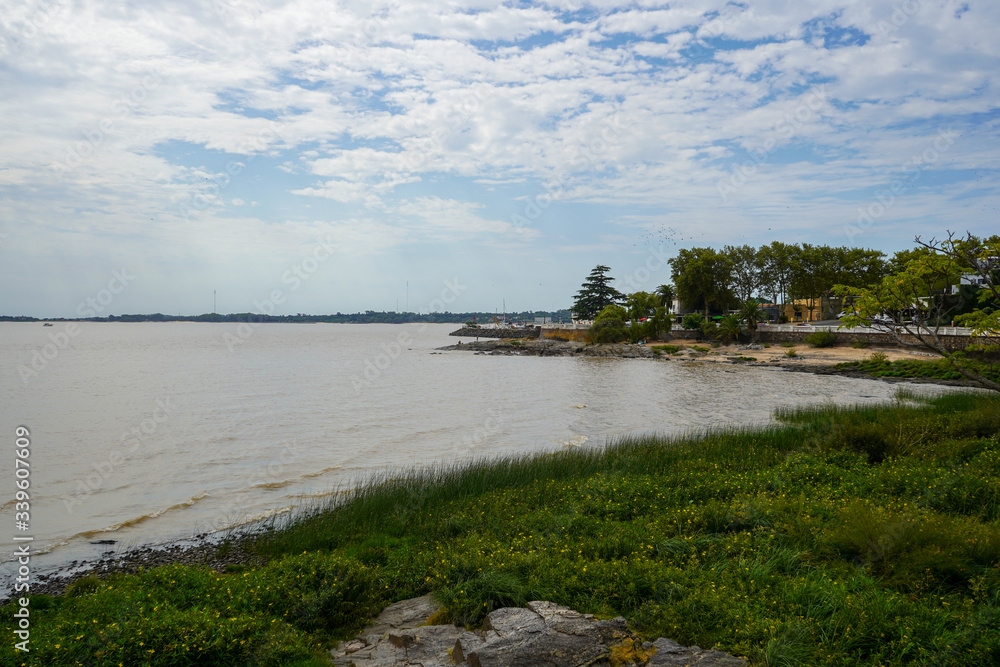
[[47, 324]]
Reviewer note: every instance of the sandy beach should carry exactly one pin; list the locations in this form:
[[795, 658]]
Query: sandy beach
[[804, 354]]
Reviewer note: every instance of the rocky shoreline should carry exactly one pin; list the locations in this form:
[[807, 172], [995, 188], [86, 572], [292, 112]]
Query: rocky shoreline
[[741, 356], [205, 549]]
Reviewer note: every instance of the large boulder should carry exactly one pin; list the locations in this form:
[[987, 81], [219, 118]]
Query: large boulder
[[543, 634]]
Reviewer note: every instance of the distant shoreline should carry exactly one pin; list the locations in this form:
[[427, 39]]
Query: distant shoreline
[[367, 317]]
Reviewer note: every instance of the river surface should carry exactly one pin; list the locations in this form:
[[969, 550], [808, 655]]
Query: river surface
[[151, 432]]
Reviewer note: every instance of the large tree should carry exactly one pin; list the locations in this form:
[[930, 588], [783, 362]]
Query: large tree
[[747, 270], [778, 261], [915, 302], [640, 305], [596, 293], [702, 277], [666, 294]]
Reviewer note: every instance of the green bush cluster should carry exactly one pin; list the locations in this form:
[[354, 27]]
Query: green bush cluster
[[821, 339], [836, 536]]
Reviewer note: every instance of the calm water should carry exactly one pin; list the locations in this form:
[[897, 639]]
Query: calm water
[[150, 432]]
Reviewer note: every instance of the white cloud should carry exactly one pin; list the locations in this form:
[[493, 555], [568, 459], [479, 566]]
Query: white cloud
[[117, 118]]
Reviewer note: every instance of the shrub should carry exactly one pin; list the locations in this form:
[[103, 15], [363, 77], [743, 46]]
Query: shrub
[[470, 600], [607, 331], [878, 357], [861, 343], [730, 328], [611, 312], [693, 321], [639, 331], [710, 330], [821, 339], [790, 352], [85, 586]]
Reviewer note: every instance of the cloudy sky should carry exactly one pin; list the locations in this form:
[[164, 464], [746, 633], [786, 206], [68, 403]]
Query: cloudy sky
[[343, 156]]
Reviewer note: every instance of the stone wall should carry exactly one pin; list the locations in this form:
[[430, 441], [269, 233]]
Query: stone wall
[[482, 332], [845, 337]]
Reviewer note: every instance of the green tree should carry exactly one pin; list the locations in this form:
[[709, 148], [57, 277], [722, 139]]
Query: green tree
[[903, 257], [666, 294], [612, 311], [595, 293], [661, 322], [693, 321], [730, 328], [778, 260], [912, 304], [608, 326], [702, 277], [814, 272], [747, 270], [752, 314], [640, 305]]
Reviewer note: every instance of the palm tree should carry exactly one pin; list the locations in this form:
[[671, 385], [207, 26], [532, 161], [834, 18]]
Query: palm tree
[[666, 294], [751, 313], [730, 327]]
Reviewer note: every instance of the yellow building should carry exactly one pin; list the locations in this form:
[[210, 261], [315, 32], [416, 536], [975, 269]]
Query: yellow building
[[804, 310]]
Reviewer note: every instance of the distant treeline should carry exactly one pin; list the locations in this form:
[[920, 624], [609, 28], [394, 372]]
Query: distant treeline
[[367, 317]]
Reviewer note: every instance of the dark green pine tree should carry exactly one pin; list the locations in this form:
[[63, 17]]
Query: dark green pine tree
[[597, 293]]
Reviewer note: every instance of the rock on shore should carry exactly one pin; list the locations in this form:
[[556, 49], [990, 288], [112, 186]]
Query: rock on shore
[[543, 634], [554, 348]]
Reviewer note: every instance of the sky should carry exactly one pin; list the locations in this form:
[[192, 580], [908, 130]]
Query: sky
[[322, 157]]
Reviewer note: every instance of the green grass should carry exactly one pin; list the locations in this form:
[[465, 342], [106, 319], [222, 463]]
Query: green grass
[[836, 536], [669, 349], [938, 369]]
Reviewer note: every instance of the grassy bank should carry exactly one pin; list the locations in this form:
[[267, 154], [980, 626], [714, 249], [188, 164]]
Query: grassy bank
[[938, 369], [836, 537]]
